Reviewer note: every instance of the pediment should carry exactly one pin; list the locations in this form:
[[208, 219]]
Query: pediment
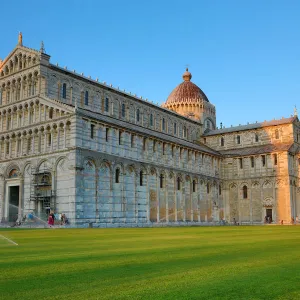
[[20, 58]]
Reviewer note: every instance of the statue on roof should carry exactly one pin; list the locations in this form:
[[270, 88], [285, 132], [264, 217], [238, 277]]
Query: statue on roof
[[295, 112], [20, 39]]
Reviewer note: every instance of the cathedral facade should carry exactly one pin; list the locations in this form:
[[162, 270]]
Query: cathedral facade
[[104, 157]]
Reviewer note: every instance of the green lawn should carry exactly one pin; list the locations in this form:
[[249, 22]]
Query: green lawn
[[259, 262]]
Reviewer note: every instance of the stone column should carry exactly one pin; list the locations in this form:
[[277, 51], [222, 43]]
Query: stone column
[[158, 200], [20, 210], [40, 112], [2, 179], [65, 135], [175, 198]]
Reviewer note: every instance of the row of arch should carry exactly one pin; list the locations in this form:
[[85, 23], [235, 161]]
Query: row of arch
[[19, 88], [36, 140]]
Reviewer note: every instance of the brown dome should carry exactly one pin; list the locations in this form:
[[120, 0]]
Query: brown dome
[[186, 92]]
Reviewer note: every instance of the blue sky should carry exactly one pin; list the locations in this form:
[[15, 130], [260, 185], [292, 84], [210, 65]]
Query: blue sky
[[245, 55]]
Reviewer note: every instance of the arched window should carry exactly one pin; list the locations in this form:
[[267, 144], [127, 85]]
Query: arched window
[[245, 192], [163, 124], [275, 159], [276, 134], [238, 139], [222, 141], [86, 98], [123, 110], [252, 162], [138, 115], [51, 113], [106, 134], [151, 120], [194, 186], [141, 178], [106, 104], [118, 175], [64, 91], [175, 128], [256, 137], [161, 181], [184, 131], [207, 188], [49, 139], [220, 190], [178, 183]]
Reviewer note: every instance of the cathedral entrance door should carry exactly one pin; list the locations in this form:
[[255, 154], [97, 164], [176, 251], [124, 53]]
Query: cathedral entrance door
[[269, 214], [13, 203]]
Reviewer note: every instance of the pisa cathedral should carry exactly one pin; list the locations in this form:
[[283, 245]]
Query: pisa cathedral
[[107, 158]]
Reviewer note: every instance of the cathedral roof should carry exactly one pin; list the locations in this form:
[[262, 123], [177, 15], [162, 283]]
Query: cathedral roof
[[251, 126], [260, 149], [186, 92]]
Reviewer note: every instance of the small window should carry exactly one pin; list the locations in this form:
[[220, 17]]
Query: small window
[[123, 110], [245, 192], [178, 183], [252, 161], [117, 175], [175, 128], [49, 139], [154, 146], [207, 188], [163, 148], [51, 113], [106, 104], [184, 132], [137, 115], [163, 124], [238, 139], [151, 120], [86, 98], [263, 160], [106, 134], [172, 151], [132, 141], [241, 163], [64, 91], [92, 131], [275, 159], [141, 178], [276, 134], [220, 190], [204, 140], [144, 144], [256, 137], [222, 141], [194, 186], [161, 181]]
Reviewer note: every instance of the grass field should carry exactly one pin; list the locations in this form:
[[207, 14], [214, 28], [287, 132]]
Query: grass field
[[259, 262]]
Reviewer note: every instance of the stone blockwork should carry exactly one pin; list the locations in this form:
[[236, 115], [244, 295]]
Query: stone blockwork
[[102, 156]]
